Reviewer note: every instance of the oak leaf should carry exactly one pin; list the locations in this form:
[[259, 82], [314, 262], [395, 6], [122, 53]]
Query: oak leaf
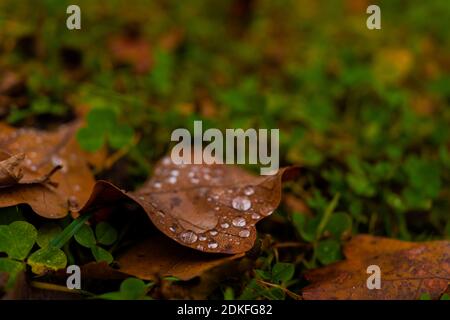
[[30, 160], [210, 208], [407, 271]]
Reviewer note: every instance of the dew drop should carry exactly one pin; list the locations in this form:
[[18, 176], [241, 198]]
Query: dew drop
[[238, 222], [188, 237], [241, 203], [202, 237], [173, 228], [200, 247], [157, 185], [160, 213], [213, 232], [174, 173], [225, 225], [244, 233], [248, 191], [172, 180], [56, 161], [255, 216], [195, 180], [212, 245], [217, 208]]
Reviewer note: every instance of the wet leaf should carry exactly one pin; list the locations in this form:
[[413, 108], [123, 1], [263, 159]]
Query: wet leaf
[[48, 258], [17, 239], [210, 208], [408, 270], [159, 256], [35, 155]]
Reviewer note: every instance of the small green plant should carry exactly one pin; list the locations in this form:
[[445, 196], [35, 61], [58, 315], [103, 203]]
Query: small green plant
[[103, 127], [130, 289], [105, 234]]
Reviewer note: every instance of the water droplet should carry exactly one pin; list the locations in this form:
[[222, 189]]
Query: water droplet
[[172, 180], [225, 225], [255, 216], [241, 203], [217, 208], [157, 185], [188, 236], [200, 247], [238, 222], [212, 245], [209, 199], [244, 233], [195, 180], [56, 161], [174, 173], [166, 161], [202, 237], [173, 228], [160, 213], [213, 232], [141, 198], [191, 174], [248, 191]]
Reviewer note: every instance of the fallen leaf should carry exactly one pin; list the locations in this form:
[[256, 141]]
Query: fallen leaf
[[30, 170], [407, 271], [210, 208], [158, 256]]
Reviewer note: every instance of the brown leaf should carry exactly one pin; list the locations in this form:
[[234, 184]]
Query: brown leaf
[[159, 256], [407, 270], [32, 177], [211, 208]]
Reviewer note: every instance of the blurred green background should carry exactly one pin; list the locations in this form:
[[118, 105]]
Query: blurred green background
[[364, 112]]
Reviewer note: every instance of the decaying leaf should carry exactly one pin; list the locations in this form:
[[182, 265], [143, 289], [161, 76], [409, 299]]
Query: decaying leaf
[[28, 174], [159, 256], [211, 208], [407, 271]]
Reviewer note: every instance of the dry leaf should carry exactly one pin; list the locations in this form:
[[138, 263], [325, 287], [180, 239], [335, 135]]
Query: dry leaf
[[407, 270], [159, 256], [30, 175]]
